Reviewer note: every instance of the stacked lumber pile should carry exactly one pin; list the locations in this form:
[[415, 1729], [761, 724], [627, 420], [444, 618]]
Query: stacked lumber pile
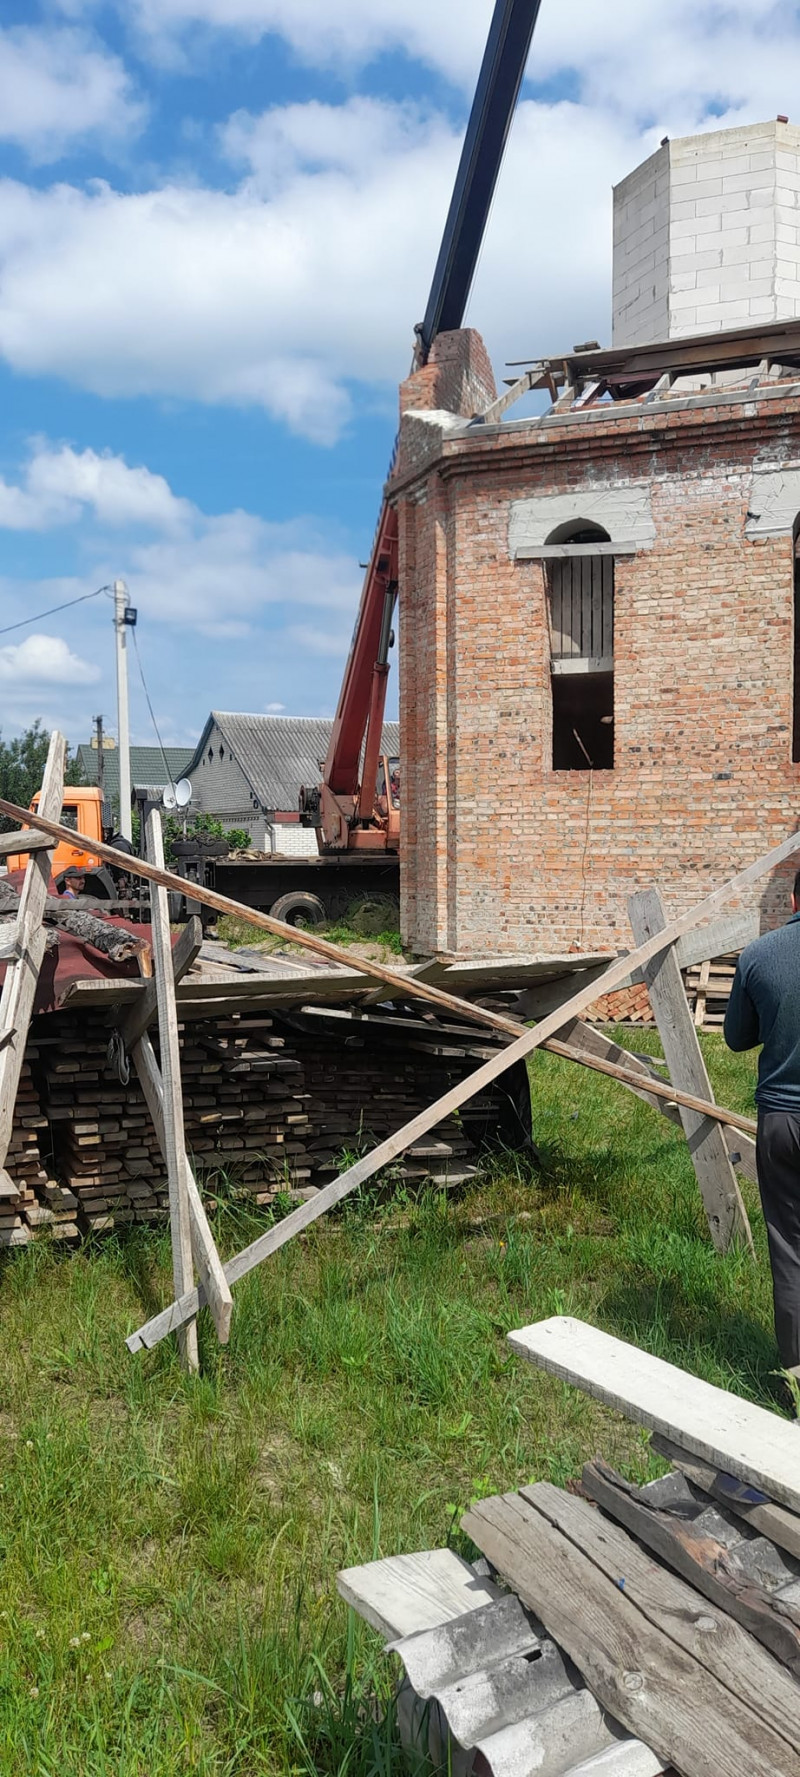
[[708, 989], [265, 1112], [29, 1197]]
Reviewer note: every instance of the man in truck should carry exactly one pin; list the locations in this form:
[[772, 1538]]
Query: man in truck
[[764, 1008]]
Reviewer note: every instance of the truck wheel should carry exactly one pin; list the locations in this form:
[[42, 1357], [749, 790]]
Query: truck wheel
[[299, 909]]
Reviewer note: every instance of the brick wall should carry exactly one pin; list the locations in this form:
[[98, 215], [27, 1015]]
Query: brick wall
[[500, 852]]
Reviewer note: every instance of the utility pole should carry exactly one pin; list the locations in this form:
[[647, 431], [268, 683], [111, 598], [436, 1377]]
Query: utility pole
[[101, 764], [124, 618]]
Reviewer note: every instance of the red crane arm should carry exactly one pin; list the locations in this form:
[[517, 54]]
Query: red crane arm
[[357, 708]]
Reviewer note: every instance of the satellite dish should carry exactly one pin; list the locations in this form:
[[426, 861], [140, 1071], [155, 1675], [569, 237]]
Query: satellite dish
[[169, 798], [183, 792]]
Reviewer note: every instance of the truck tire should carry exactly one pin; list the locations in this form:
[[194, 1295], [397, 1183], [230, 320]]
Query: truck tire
[[299, 909]]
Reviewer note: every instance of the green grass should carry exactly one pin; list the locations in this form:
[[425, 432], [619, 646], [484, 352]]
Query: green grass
[[169, 1546]]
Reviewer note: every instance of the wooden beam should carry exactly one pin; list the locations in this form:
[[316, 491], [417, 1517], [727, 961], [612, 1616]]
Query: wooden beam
[[22, 974], [496, 409], [720, 1428], [145, 1009], [10, 845], [570, 551], [719, 1187], [172, 1102], [216, 1288], [648, 1680], [655, 1088]]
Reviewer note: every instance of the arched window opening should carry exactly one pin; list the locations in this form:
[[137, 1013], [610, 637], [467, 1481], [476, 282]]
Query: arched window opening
[[580, 605], [796, 650]]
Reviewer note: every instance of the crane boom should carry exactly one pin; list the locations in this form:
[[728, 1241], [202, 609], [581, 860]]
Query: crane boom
[[344, 809]]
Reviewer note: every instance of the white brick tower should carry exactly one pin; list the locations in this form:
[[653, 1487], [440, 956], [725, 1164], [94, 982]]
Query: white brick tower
[[707, 235]]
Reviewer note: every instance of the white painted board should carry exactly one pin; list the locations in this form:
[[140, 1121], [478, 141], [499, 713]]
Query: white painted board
[[721, 1428], [406, 1593]]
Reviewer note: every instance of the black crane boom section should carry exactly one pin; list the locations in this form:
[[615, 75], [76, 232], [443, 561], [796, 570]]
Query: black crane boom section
[[493, 107]]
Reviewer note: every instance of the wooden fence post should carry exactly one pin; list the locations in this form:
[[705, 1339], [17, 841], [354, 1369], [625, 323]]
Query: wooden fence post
[[719, 1186], [22, 974], [174, 1139]]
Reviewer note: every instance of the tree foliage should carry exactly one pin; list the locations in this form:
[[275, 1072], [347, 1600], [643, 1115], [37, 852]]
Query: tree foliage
[[22, 763]]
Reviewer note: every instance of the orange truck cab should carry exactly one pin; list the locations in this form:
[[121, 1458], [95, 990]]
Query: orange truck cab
[[90, 818]]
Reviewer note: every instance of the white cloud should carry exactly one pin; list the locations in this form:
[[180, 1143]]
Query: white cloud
[[309, 638], [57, 87], [274, 709], [308, 279], [639, 58], [44, 660], [58, 485]]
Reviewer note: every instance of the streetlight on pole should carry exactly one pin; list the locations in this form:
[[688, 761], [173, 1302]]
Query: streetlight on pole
[[124, 619]]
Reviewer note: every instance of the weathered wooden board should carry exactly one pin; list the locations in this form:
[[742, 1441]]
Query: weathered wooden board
[[657, 1689], [701, 1561], [719, 1187], [722, 1429], [776, 1522], [171, 1127], [404, 1594]]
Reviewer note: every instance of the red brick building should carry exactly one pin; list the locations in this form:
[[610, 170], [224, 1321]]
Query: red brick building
[[598, 655]]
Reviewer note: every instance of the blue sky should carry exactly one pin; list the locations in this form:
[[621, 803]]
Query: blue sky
[[218, 223]]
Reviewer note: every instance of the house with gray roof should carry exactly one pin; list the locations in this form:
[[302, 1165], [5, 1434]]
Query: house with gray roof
[[247, 771], [148, 766]]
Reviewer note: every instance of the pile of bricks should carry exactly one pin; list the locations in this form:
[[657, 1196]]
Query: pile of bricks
[[629, 1005]]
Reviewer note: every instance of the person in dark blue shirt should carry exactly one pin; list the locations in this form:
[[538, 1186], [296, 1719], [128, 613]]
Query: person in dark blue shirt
[[764, 1007]]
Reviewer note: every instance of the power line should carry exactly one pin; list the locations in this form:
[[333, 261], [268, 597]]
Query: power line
[[150, 706], [53, 609]]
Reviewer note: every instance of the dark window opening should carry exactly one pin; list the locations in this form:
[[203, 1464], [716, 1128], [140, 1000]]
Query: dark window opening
[[583, 722], [796, 651], [580, 607]]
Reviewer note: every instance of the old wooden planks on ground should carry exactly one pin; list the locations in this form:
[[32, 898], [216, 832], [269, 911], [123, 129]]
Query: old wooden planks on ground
[[648, 1652], [719, 1187], [22, 974], [720, 1428], [700, 1559]]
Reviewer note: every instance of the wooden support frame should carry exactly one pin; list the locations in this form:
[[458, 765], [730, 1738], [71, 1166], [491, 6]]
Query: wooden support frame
[[22, 974], [655, 944], [719, 1186]]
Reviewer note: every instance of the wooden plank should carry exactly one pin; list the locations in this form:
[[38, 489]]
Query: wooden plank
[[594, 1042], [657, 1089], [706, 1631], [405, 1594], [145, 1011], [719, 1187], [636, 1670], [209, 1264], [701, 1560], [10, 843], [172, 1105], [748, 1503], [22, 974], [720, 1428]]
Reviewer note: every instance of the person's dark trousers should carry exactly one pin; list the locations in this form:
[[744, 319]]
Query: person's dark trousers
[[778, 1164]]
